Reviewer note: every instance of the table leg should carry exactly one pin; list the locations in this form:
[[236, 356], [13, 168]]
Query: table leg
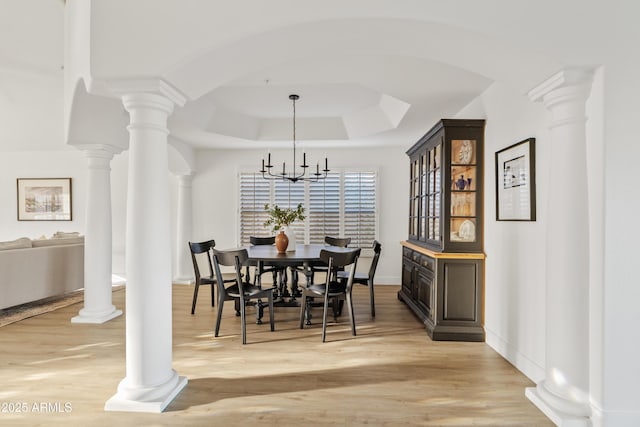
[[259, 312], [309, 276]]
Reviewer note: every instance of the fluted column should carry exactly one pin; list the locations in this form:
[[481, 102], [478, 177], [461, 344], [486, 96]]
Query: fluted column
[[150, 383], [97, 245], [184, 268], [564, 393]]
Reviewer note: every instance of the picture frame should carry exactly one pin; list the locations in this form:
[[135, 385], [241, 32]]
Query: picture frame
[[44, 199], [516, 182]]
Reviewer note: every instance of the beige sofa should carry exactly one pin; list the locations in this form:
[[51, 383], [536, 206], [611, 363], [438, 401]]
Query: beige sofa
[[34, 269]]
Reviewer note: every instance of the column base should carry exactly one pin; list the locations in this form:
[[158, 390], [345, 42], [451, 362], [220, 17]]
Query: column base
[[157, 405], [559, 418], [87, 316]]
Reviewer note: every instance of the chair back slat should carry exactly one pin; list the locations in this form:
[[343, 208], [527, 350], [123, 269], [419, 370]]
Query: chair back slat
[[341, 242], [258, 241], [198, 248]]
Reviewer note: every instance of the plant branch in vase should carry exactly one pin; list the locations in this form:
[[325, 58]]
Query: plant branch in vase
[[280, 220]]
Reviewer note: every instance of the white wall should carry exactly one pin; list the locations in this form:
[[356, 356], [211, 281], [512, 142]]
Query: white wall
[[41, 164], [515, 264], [215, 190], [72, 164]]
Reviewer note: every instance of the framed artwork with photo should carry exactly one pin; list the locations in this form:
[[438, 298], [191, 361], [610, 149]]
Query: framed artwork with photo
[[44, 199], [516, 182]]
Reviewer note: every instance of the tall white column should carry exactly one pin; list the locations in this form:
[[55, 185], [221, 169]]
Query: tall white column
[[184, 268], [150, 383], [564, 393], [97, 245]]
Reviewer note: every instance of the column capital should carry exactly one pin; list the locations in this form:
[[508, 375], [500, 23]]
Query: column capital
[[148, 111], [101, 151], [185, 179], [137, 100], [155, 86], [567, 78], [92, 149], [565, 95]]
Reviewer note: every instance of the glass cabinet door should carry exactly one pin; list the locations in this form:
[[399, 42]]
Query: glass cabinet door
[[414, 199], [463, 212]]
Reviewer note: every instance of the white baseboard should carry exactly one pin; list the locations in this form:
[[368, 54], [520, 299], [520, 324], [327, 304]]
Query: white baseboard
[[528, 367]]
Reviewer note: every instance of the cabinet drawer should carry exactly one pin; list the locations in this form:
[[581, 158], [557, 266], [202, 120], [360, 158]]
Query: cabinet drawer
[[407, 253], [426, 262]]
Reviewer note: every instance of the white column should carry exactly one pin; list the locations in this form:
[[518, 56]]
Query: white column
[[150, 383], [97, 245], [184, 267], [564, 393]]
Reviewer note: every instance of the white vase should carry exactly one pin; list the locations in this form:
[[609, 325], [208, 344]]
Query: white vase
[[291, 234]]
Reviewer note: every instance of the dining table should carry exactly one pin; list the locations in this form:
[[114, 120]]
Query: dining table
[[304, 257], [300, 260]]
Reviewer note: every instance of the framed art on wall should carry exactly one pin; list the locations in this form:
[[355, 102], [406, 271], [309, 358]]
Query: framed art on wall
[[44, 199], [516, 182]]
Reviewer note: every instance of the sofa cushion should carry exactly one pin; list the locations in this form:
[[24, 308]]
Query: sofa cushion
[[21, 243], [58, 241]]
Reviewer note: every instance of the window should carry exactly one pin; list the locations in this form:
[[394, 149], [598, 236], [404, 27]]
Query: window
[[343, 204]]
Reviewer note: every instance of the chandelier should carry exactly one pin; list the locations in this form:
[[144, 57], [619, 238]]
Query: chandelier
[[293, 174]]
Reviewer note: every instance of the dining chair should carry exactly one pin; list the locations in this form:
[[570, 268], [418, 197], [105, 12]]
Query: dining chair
[[367, 279], [203, 250], [333, 289], [240, 291], [266, 268], [316, 267], [196, 249]]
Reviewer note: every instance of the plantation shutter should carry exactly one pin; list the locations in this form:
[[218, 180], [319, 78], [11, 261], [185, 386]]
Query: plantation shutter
[[254, 194], [342, 205], [324, 208], [360, 208]]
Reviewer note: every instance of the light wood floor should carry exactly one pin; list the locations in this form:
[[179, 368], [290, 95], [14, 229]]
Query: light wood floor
[[390, 374]]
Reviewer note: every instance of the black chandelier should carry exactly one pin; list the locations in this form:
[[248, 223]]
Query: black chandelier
[[293, 175]]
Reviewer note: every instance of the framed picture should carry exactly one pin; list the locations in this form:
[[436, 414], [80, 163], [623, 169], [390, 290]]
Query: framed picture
[[44, 199], [516, 182]]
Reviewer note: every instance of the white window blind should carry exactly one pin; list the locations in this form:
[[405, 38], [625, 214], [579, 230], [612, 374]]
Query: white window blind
[[323, 211], [342, 205], [360, 208], [254, 194]]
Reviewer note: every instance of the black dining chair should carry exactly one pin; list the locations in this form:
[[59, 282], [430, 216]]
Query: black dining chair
[[318, 267], [196, 249], [333, 289], [266, 268], [239, 291], [367, 279], [200, 250]]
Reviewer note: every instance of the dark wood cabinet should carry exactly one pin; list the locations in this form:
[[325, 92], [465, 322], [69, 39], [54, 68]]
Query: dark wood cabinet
[[446, 182], [443, 262]]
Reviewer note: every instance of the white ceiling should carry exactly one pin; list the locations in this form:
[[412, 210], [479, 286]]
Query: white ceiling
[[365, 82], [367, 99]]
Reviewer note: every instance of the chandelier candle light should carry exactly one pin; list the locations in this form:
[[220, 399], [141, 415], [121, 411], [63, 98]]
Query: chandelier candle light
[[293, 175]]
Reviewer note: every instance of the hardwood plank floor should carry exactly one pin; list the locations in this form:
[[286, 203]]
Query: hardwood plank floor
[[390, 374]]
